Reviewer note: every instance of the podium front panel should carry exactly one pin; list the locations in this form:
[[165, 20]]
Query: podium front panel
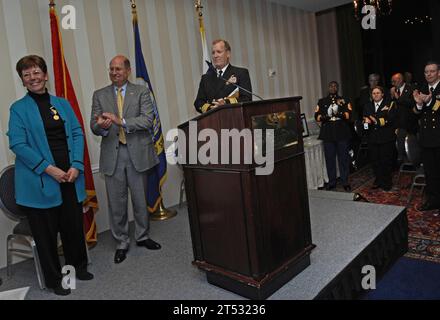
[[251, 233]]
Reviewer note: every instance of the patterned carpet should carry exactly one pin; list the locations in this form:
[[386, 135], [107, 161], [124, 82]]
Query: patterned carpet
[[424, 227]]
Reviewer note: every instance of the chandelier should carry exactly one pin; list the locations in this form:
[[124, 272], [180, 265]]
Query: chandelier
[[382, 7], [418, 20]]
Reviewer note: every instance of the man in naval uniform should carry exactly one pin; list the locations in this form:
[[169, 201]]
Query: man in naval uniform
[[428, 110], [219, 85]]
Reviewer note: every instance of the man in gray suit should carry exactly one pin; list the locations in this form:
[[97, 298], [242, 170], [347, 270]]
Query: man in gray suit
[[122, 115]]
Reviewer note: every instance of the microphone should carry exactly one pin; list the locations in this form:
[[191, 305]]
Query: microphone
[[213, 69]]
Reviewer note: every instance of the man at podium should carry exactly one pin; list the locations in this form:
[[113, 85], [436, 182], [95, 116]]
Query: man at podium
[[221, 83]]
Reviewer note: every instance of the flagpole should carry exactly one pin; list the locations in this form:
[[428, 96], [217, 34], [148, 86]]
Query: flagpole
[[161, 213], [63, 87], [205, 53]]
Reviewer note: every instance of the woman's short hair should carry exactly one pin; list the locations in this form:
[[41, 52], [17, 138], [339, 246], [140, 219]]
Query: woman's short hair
[[29, 62]]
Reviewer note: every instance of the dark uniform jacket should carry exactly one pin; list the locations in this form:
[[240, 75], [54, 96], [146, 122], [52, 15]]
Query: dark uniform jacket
[[365, 98], [386, 115], [212, 88], [405, 104], [429, 120], [333, 128]]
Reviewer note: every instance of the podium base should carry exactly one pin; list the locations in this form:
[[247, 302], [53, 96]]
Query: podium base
[[261, 291]]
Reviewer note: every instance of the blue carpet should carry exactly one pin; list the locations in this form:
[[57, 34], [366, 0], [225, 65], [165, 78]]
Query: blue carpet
[[408, 279]]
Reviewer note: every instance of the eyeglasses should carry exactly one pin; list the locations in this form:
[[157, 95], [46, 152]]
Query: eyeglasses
[[115, 69], [36, 73]]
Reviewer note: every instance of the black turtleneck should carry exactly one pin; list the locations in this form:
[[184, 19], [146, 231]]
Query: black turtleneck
[[55, 132]]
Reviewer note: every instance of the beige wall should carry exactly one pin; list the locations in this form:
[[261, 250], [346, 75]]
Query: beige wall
[[263, 36], [328, 48]]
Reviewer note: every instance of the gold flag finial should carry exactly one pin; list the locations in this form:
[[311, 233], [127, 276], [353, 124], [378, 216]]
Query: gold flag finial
[[133, 10], [199, 8]]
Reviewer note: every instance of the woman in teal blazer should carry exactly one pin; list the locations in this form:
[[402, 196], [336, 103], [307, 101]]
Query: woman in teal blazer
[[48, 142]]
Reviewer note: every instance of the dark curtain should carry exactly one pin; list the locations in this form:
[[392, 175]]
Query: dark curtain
[[434, 8], [350, 52], [398, 46]]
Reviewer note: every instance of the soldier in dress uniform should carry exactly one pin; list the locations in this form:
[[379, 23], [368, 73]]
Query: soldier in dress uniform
[[427, 108], [334, 112], [379, 121]]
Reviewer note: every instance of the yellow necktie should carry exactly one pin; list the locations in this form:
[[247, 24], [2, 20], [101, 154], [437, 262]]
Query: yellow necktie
[[120, 99]]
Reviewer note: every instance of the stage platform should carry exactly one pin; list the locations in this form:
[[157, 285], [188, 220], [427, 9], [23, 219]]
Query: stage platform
[[348, 235]]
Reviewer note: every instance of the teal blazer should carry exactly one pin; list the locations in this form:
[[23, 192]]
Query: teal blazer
[[27, 139]]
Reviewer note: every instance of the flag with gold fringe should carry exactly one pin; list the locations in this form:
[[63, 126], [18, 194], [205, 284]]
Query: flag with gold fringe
[[157, 175], [64, 88]]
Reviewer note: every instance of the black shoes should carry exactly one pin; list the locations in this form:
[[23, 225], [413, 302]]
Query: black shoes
[[347, 188], [60, 291], [427, 206], [84, 275], [149, 244], [120, 255], [329, 187]]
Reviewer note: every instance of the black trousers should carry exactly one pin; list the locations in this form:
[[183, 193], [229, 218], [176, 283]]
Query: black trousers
[[67, 219], [431, 165], [331, 150], [381, 155], [401, 152]]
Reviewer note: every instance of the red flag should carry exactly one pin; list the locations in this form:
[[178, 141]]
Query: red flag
[[64, 88]]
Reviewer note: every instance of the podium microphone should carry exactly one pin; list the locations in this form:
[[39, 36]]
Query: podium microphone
[[212, 68]]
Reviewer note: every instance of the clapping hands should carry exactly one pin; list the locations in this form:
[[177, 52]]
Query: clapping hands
[[393, 93], [104, 123], [421, 98], [113, 118], [107, 119]]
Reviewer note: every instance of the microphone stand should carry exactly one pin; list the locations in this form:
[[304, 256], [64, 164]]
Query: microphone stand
[[212, 69], [241, 88]]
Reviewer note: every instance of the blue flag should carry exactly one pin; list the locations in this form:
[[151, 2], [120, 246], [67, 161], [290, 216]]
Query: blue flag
[[157, 175]]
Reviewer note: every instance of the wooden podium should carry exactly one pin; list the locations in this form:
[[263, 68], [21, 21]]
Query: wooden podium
[[250, 233]]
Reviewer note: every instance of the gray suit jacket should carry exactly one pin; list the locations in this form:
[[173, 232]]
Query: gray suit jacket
[[138, 114]]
